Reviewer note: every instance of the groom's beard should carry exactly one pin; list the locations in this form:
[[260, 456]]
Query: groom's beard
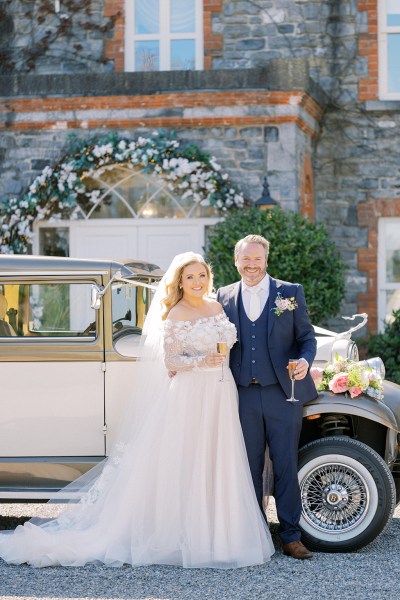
[[252, 276]]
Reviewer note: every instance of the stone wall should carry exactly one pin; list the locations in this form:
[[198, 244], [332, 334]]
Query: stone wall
[[36, 39], [355, 158], [246, 119], [325, 32]]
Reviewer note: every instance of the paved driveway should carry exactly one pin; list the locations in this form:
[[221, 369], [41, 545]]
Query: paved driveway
[[370, 574]]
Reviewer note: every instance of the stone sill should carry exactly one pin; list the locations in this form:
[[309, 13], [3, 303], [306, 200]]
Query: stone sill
[[382, 105], [277, 75]]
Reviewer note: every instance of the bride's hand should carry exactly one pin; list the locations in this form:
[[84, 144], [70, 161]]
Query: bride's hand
[[214, 360]]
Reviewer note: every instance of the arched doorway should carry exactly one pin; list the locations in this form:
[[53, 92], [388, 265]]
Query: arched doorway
[[130, 214]]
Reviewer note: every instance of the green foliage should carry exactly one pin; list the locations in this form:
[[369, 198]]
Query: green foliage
[[300, 252], [387, 346], [193, 152]]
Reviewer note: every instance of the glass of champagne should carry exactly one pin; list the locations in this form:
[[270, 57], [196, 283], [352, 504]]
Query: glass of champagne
[[222, 348], [292, 364]]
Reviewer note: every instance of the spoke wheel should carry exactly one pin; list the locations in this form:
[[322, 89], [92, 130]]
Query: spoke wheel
[[335, 497], [347, 493]]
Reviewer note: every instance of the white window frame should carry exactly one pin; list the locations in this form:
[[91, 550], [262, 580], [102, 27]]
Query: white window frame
[[383, 285], [164, 36], [383, 31]]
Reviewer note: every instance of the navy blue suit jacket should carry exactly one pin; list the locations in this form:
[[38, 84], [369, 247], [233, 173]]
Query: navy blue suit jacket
[[290, 335]]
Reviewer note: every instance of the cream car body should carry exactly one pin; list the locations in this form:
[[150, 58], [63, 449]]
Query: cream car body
[[64, 370]]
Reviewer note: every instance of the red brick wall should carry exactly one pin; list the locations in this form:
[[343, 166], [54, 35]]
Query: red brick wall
[[368, 46], [307, 206], [212, 41], [369, 213], [115, 47], [26, 107]]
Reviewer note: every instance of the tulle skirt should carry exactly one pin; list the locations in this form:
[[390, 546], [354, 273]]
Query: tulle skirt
[[180, 493]]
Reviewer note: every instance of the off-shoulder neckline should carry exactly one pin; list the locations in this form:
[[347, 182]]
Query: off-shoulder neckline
[[220, 314]]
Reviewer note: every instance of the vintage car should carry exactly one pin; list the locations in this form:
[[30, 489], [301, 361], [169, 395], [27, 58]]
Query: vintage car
[[69, 346]]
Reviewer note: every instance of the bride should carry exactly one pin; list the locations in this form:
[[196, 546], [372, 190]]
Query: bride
[[177, 488]]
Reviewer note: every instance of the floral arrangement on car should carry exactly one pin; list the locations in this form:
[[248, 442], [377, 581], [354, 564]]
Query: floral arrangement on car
[[343, 375]]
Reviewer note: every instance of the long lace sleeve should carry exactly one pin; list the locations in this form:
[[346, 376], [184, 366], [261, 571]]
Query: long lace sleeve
[[179, 354]]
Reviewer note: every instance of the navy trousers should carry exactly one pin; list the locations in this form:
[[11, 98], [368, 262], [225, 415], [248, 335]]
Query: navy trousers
[[267, 419]]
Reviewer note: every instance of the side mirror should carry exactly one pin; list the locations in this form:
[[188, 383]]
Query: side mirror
[[97, 293], [95, 297]]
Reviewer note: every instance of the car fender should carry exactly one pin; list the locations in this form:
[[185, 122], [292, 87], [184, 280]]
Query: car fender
[[362, 406]]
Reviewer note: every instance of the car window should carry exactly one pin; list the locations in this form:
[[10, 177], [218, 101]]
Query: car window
[[46, 310], [129, 308]]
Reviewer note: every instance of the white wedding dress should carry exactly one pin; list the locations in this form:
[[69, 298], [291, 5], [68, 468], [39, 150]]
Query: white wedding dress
[[179, 492]]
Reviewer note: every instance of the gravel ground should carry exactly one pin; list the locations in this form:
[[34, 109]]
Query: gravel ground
[[370, 574]]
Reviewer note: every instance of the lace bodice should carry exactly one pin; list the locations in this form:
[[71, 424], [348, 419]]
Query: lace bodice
[[187, 343]]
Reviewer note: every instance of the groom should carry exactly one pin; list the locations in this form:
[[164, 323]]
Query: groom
[[273, 325]]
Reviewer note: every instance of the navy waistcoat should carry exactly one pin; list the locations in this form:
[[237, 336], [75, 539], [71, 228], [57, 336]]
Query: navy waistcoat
[[256, 360]]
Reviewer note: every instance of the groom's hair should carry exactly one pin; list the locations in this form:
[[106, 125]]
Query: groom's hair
[[253, 239]]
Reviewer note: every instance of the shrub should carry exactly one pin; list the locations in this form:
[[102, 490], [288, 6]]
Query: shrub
[[387, 346], [300, 252]]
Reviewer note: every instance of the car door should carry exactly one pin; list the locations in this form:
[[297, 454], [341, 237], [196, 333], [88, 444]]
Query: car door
[[51, 367]]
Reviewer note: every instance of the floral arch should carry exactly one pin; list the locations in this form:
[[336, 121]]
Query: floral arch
[[173, 181]]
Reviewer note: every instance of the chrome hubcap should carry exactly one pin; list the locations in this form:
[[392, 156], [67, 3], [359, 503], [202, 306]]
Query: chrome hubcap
[[335, 497]]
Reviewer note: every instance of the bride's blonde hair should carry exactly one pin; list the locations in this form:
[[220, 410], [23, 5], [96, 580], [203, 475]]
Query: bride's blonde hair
[[173, 287]]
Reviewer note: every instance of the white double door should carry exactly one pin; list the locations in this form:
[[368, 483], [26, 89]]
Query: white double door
[[157, 241]]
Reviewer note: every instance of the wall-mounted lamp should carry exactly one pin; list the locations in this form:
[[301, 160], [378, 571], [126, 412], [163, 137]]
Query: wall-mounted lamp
[[266, 202]]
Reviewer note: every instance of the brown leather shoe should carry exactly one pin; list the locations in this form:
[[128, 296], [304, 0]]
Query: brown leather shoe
[[296, 550]]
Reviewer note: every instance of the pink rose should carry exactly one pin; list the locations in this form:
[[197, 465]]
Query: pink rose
[[316, 374], [355, 391], [339, 383], [282, 303]]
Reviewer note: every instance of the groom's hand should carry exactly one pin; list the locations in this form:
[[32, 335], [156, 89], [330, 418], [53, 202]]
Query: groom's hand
[[301, 369]]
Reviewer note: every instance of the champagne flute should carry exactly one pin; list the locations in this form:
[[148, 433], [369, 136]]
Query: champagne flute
[[292, 364], [222, 348]]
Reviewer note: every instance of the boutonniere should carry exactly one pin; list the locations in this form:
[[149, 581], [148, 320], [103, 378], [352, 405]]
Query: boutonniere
[[282, 304]]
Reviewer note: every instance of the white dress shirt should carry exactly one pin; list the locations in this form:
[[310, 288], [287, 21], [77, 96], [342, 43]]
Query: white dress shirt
[[262, 292]]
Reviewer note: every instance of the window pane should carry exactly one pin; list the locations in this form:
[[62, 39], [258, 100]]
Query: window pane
[[8, 310], [392, 251], [135, 193], [100, 204], [129, 308], [392, 303], [147, 56], [392, 243], [393, 266], [50, 310], [182, 55], [54, 241], [111, 207], [394, 62], [147, 16], [58, 310], [183, 16], [393, 13], [162, 207]]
